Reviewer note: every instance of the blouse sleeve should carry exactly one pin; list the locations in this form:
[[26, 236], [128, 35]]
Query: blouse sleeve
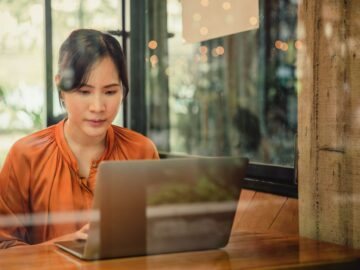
[[14, 200], [155, 154], [153, 150]]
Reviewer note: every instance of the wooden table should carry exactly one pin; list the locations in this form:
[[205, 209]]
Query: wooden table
[[245, 251]]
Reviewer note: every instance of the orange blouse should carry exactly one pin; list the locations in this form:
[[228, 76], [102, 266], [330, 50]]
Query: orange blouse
[[41, 176]]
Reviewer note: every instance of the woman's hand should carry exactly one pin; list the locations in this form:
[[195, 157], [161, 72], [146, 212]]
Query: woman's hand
[[80, 234]]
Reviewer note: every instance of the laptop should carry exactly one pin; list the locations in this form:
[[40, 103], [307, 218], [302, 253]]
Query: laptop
[[148, 207]]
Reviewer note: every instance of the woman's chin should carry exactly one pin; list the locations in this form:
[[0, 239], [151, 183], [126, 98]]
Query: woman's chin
[[95, 132]]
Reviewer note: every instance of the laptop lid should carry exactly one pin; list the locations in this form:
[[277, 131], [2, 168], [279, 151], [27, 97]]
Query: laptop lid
[[160, 206]]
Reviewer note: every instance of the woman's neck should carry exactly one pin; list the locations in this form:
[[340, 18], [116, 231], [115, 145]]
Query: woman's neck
[[80, 142]]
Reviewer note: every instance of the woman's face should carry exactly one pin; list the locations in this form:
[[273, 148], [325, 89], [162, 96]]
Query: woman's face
[[93, 107]]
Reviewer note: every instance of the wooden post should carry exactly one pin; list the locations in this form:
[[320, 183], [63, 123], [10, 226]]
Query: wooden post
[[329, 121]]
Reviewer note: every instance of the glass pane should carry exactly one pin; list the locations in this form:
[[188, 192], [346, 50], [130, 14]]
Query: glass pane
[[234, 95], [68, 15], [22, 71]]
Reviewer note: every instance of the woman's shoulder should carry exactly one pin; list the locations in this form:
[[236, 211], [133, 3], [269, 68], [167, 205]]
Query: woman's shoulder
[[39, 139], [135, 141], [130, 136]]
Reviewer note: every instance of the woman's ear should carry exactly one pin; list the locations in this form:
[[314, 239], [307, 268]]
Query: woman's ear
[[61, 95], [57, 80]]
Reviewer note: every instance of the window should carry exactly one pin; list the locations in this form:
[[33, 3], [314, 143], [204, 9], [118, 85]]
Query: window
[[21, 47], [234, 95]]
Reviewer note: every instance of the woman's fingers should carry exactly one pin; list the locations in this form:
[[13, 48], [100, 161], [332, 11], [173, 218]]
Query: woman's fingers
[[83, 232], [81, 235], [85, 228]]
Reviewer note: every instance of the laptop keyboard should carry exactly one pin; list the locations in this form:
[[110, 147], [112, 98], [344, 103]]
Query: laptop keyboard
[[77, 245]]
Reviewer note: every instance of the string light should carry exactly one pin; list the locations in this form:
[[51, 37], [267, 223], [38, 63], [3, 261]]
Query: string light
[[204, 3], [226, 6], [152, 44], [253, 20], [220, 50], [154, 60], [204, 31], [197, 17], [203, 49], [298, 44]]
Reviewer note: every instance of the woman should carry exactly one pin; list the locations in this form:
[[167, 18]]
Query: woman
[[53, 170]]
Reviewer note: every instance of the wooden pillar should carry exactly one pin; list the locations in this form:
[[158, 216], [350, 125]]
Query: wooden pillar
[[329, 120]]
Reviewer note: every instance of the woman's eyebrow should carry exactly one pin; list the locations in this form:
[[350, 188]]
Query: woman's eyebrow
[[112, 85], [106, 86], [86, 85]]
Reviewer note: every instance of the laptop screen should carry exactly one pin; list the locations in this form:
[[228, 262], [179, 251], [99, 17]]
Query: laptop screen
[[160, 206]]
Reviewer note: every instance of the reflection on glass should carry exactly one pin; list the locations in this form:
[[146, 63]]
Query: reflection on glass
[[213, 19], [192, 209], [235, 95]]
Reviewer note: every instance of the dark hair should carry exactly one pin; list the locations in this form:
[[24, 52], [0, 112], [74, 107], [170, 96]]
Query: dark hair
[[81, 50]]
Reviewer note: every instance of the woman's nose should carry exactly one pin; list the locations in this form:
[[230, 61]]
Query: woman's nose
[[97, 104]]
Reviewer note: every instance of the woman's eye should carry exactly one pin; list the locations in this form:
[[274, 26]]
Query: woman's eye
[[111, 92], [84, 92]]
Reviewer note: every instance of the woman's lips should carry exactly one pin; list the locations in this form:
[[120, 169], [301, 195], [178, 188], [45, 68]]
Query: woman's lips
[[95, 122]]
